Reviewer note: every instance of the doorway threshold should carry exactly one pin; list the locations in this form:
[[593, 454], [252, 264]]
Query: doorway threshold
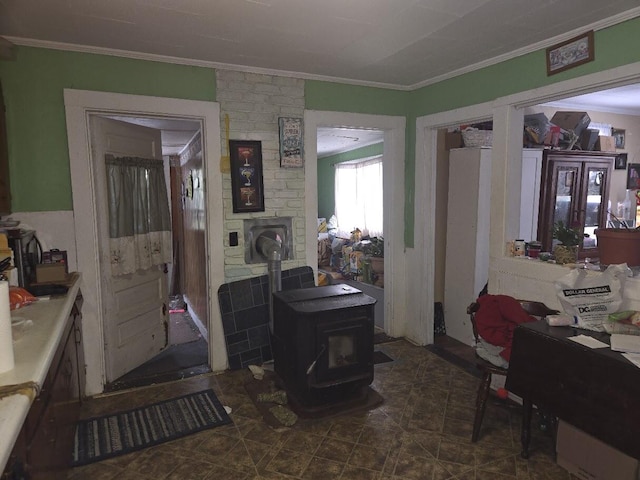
[[173, 363]]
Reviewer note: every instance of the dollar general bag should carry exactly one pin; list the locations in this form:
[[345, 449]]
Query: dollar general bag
[[590, 297]]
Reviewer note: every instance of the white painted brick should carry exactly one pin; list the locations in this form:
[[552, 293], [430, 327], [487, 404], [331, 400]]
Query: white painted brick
[[240, 106], [230, 75], [254, 102], [268, 108], [295, 205], [258, 78], [288, 81], [268, 88]]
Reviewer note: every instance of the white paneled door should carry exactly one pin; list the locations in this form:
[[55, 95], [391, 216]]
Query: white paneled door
[[135, 314]]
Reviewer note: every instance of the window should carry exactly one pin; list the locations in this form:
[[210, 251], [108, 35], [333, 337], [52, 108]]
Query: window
[[359, 196]]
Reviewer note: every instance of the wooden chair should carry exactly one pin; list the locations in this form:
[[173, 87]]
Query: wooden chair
[[536, 309]]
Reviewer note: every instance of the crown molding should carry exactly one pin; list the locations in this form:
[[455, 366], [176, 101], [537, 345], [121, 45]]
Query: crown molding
[[152, 57], [600, 25]]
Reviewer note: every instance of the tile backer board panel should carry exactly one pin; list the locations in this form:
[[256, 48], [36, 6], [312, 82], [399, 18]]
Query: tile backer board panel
[[245, 315]]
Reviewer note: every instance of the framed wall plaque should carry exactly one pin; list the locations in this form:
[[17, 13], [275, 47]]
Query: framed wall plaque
[[569, 54], [291, 142], [246, 176]]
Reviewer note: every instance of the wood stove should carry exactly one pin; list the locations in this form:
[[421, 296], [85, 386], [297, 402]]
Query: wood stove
[[322, 344]]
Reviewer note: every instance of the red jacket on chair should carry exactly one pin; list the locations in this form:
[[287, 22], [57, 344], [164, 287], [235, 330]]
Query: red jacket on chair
[[497, 317]]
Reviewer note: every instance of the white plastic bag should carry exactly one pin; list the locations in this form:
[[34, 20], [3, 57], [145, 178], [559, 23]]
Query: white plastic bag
[[592, 298]]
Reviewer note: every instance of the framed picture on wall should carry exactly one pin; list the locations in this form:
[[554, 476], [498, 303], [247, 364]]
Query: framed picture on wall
[[571, 53], [247, 190], [621, 161], [619, 135], [633, 176]]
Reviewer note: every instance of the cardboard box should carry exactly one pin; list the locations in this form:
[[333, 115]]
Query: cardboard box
[[574, 121], [588, 139], [51, 272], [606, 144], [590, 459]]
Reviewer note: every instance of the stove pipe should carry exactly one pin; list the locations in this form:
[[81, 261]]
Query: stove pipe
[[269, 244]]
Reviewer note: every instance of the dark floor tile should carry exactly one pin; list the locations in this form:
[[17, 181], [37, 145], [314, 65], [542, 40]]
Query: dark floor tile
[[421, 430]]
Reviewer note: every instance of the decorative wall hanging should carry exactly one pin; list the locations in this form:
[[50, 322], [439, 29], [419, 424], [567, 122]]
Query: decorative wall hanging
[[569, 54], [246, 176], [633, 176], [619, 135], [291, 142], [621, 161]]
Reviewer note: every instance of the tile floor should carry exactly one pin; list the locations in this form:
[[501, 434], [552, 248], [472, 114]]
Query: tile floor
[[421, 431]]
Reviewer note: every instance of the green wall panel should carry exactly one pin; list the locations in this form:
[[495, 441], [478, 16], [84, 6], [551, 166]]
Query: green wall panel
[[33, 87], [339, 97]]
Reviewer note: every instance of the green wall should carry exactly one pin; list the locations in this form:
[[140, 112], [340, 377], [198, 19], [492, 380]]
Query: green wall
[[36, 128], [614, 46], [327, 175], [33, 89]]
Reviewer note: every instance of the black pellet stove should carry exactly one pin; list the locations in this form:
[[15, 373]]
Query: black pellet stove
[[322, 346]]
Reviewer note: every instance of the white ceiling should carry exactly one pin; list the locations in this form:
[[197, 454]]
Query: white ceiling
[[396, 43], [399, 44], [624, 100], [337, 140]]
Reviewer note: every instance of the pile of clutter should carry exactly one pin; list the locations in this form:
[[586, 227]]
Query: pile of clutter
[[565, 131]]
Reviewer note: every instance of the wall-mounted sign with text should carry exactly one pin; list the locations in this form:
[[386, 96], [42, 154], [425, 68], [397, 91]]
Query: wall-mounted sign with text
[[291, 142]]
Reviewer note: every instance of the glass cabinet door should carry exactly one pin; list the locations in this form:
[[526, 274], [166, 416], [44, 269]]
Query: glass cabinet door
[[595, 206], [567, 184]]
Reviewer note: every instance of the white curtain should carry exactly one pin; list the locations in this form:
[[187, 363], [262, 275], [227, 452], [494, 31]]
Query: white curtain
[[359, 197], [139, 219]]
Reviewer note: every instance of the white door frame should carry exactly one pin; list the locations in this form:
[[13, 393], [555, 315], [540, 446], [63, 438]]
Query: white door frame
[[507, 143], [395, 317], [78, 105]]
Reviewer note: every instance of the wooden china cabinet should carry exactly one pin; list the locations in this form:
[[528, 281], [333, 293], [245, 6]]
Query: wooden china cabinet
[[574, 190]]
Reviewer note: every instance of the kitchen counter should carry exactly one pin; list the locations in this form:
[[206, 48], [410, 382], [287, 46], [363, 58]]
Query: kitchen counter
[[33, 351]]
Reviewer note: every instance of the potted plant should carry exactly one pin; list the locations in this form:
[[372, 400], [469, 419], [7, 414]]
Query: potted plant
[[619, 245], [569, 239]]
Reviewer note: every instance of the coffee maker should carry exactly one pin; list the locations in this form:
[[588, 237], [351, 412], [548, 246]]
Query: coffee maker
[[26, 253]]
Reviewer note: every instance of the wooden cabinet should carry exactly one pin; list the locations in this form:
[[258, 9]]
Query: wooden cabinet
[[44, 446], [574, 190]]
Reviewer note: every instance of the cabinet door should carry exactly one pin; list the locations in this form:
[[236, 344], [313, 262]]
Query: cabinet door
[[561, 198], [593, 210]]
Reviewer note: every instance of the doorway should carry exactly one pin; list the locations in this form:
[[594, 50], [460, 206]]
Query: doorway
[[181, 315], [78, 107], [393, 128], [350, 195]]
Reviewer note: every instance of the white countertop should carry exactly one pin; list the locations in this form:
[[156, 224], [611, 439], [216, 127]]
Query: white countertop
[[33, 353]]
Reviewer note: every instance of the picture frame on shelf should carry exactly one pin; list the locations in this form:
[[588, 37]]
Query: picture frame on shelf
[[620, 161], [247, 191], [619, 135], [570, 53]]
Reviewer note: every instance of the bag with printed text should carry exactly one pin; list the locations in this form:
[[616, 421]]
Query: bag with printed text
[[590, 297]]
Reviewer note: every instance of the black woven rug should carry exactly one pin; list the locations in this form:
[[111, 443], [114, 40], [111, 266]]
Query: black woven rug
[[125, 432]]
